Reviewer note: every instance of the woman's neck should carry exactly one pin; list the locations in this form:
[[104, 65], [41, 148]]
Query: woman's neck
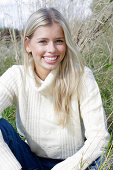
[[42, 74]]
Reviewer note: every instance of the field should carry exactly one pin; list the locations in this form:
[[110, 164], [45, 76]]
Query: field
[[94, 38]]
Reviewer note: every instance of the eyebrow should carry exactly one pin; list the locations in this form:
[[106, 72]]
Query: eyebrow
[[60, 38], [48, 38]]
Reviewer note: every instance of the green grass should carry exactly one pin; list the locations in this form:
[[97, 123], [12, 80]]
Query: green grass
[[9, 114], [95, 41]]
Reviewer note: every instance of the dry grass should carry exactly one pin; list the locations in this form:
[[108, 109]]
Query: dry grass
[[94, 38]]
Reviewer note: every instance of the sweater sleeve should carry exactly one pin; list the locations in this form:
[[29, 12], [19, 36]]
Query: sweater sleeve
[[8, 88], [7, 98], [94, 120]]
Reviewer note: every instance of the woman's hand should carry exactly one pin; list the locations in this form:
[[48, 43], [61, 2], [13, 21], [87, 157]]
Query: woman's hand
[[68, 164]]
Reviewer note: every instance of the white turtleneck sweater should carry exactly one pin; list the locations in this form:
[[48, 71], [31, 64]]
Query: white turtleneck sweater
[[35, 118]]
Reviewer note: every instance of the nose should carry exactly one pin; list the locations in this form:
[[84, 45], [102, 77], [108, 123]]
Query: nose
[[51, 47]]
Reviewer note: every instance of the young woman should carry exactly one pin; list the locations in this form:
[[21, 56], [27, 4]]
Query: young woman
[[58, 104]]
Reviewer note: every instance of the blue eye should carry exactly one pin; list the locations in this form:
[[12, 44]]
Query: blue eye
[[42, 42], [59, 41]]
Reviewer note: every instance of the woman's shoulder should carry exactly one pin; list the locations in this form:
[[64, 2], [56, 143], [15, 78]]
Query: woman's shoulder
[[87, 78], [16, 69], [87, 70], [87, 85], [13, 72], [87, 73]]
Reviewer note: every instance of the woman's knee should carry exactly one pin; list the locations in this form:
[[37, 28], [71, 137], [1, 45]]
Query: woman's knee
[[3, 122], [7, 130]]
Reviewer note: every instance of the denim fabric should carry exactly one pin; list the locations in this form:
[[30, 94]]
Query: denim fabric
[[22, 152], [95, 164]]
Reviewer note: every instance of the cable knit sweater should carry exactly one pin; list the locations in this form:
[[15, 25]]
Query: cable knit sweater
[[36, 120]]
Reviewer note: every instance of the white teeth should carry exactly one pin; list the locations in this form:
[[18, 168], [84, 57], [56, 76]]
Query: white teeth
[[50, 58]]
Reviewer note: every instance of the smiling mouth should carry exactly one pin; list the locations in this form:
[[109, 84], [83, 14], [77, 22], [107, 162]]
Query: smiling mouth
[[51, 58]]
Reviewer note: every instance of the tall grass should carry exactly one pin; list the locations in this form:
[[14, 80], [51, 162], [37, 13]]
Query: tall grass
[[95, 41], [94, 38]]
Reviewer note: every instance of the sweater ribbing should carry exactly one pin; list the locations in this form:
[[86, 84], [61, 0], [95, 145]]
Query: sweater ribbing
[[35, 116]]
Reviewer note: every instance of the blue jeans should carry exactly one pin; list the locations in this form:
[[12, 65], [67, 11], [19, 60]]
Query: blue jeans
[[23, 153]]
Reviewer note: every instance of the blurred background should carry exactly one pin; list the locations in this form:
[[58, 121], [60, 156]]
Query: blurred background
[[91, 23]]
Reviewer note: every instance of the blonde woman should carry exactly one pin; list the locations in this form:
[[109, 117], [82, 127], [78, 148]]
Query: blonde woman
[[58, 104]]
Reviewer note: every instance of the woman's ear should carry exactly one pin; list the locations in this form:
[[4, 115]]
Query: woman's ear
[[27, 44]]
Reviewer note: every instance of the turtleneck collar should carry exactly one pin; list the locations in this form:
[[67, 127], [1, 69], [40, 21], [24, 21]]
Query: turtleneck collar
[[44, 87]]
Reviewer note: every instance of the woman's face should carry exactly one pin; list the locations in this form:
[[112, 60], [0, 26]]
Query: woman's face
[[48, 48]]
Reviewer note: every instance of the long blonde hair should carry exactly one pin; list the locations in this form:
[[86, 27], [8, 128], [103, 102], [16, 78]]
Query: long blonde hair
[[71, 67]]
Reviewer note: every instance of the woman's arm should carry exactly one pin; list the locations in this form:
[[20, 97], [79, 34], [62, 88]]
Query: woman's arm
[[7, 97], [93, 116], [7, 159]]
